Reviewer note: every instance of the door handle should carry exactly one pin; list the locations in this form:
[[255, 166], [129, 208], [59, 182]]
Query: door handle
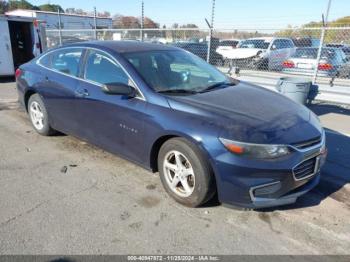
[[82, 92]]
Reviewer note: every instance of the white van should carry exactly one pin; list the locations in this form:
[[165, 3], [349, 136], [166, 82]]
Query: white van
[[21, 39]]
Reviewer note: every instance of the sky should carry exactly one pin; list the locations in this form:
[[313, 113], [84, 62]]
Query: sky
[[229, 14]]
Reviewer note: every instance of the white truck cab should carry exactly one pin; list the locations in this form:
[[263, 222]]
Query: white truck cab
[[20, 41]]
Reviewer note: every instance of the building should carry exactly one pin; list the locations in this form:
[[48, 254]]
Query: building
[[68, 21]]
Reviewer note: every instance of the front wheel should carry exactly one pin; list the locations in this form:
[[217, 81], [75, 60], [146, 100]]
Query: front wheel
[[185, 173]]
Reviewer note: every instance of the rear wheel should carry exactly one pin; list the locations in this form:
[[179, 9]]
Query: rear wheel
[[38, 116], [185, 173]]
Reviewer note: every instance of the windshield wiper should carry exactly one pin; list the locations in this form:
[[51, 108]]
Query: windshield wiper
[[216, 85], [177, 91]]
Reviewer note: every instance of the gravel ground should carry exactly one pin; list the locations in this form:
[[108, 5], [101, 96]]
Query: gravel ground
[[59, 195]]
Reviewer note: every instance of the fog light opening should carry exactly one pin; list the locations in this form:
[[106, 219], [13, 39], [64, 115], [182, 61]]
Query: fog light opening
[[264, 191]]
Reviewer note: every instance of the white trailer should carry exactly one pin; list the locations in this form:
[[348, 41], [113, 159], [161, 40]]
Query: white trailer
[[21, 39]]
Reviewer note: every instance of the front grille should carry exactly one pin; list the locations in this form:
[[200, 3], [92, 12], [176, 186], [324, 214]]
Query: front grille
[[308, 143], [305, 169]]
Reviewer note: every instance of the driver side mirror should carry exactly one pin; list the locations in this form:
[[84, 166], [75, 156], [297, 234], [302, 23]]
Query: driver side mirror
[[273, 47], [119, 89]]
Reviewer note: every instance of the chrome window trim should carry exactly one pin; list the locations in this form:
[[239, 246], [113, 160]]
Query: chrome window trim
[[140, 94]]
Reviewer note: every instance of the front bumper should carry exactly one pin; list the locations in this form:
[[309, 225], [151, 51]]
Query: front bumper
[[288, 198], [257, 184]]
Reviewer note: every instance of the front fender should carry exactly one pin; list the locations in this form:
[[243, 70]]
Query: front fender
[[205, 144]]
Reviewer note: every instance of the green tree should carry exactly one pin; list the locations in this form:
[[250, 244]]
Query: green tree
[[3, 6], [51, 8], [21, 4]]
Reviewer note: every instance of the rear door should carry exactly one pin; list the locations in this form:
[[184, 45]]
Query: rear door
[[6, 60], [58, 86]]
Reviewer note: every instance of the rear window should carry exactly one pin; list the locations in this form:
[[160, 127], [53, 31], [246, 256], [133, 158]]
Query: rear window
[[311, 53], [45, 61]]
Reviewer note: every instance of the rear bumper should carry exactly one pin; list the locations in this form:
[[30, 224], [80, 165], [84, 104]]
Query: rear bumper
[[309, 72]]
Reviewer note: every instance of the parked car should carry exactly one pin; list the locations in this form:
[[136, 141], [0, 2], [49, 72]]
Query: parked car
[[54, 41], [306, 42], [170, 111], [201, 50], [344, 47], [261, 53], [304, 61]]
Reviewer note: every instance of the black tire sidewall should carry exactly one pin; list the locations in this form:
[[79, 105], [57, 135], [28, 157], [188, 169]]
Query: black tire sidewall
[[204, 179], [46, 130]]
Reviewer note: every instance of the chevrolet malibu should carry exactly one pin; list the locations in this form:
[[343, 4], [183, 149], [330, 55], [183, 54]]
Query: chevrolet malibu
[[169, 111]]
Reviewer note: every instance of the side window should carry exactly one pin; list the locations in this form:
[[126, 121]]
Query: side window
[[103, 70], [66, 60], [278, 44], [45, 60], [290, 44]]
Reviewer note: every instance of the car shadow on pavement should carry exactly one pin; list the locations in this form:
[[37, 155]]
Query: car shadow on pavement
[[320, 109], [335, 175]]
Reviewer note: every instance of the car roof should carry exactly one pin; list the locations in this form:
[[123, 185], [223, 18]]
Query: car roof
[[222, 40], [323, 48], [269, 38], [125, 46]]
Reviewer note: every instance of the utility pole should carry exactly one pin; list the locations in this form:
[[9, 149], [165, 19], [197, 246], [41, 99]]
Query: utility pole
[[211, 26], [324, 24], [59, 26], [142, 20], [95, 22]]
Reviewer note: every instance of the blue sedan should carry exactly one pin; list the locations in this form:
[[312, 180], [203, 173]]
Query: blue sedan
[[171, 112]]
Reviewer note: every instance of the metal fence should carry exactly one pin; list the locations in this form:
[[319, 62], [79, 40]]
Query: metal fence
[[322, 54]]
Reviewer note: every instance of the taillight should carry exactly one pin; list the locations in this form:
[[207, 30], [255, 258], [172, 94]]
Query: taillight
[[18, 73], [325, 66], [288, 64]]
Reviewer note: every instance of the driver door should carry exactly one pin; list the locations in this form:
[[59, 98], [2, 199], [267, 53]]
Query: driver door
[[113, 122]]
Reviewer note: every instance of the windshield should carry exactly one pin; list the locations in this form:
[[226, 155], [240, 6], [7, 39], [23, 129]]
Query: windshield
[[254, 43], [175, 70]]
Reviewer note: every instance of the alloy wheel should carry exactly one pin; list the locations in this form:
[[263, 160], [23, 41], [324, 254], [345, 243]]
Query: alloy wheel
[[36, 115], [179, 173]]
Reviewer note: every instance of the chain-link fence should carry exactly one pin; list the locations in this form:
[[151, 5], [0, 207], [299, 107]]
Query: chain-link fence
[[322, 54]]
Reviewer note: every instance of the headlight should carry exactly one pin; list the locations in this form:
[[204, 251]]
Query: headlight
[[260, 151]]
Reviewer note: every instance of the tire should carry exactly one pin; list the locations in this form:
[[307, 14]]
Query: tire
[[38, 116], [193, 170]]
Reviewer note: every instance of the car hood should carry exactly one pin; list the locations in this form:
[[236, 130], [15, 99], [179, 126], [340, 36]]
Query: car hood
[[250, 113], [240, 53]]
